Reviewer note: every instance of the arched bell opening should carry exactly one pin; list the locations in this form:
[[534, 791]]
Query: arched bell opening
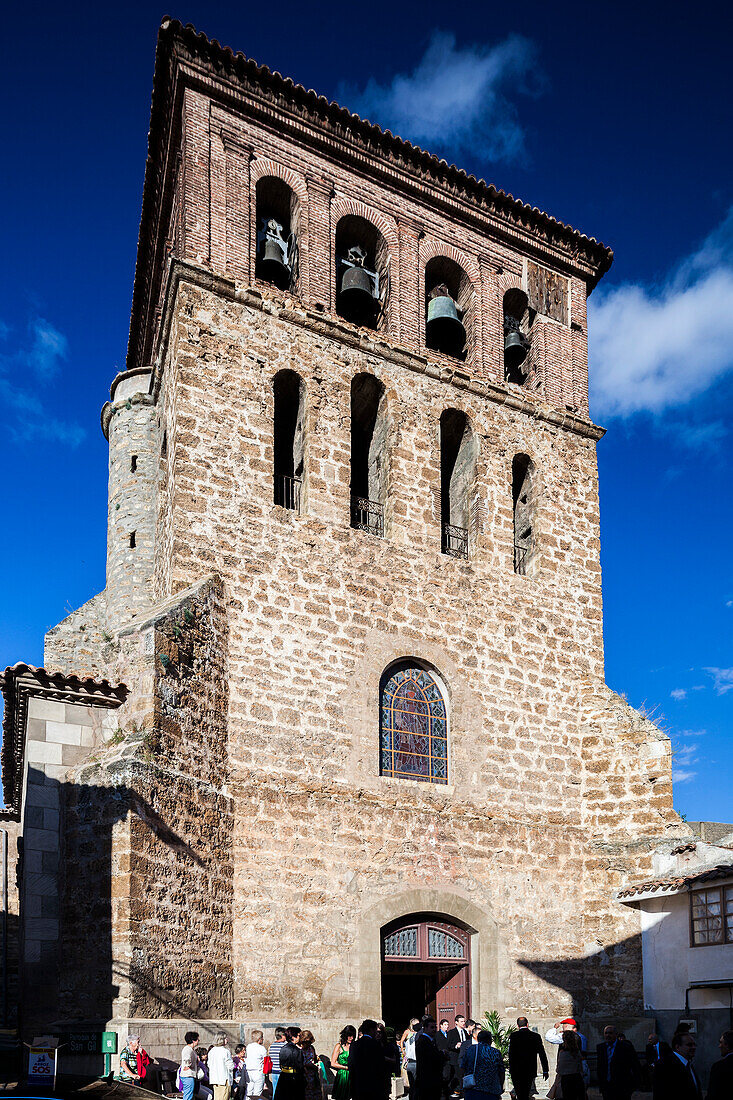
[[457, 474], [448, 308], [368, 453], [517, 324], [524, 505], [426, 968], [289, 439], [277, 233], [362, 272]]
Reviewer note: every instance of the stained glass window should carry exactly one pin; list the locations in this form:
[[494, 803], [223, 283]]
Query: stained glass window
[[414, 728]]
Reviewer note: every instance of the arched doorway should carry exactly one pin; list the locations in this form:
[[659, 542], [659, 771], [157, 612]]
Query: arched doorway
[[426, 968]]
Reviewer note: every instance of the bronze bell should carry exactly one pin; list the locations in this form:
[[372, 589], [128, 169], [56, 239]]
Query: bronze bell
[[516, 347], [357, 301], [273, 266], [444, 330]]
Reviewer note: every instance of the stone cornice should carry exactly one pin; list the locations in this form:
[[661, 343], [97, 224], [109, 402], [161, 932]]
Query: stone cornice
[[288, 309]]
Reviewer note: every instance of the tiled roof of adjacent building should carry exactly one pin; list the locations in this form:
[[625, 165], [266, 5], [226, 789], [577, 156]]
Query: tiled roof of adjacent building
[[177, 42], [17, 683], [675, 883]]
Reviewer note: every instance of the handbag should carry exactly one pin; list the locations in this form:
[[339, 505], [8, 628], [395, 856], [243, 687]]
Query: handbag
[[469, 1079], [267, 1064]]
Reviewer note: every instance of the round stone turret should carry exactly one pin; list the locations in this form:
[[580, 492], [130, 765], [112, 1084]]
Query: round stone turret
[[130, 425]]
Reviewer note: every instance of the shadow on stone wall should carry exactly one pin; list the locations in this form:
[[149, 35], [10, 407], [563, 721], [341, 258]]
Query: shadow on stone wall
[[91, 898]]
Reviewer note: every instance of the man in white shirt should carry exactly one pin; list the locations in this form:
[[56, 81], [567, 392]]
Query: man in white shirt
[[221, 1068], [254, 1062], [189, 1065]]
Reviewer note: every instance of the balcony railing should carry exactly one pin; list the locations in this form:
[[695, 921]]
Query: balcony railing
[[521, 553], [367, 515], [287, 492], [455, 541]]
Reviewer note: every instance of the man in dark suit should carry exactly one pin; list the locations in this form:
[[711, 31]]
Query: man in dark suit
[[456, 1036], [443, 1045], [429, 1067], [674, 1076], [366, 1065], [656, 1049], [720, 1086], [525, 1047], [617, 1066]]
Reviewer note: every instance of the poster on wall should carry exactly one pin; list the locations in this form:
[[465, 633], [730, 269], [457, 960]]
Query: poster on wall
[[42, 1066]]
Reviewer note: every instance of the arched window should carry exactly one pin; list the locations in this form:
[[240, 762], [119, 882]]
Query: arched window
[[517, 324], [289, 439], [448, 308], [413, 725], [368, 453], [362, 272], [457, 470], [277, 233], [524, 507]]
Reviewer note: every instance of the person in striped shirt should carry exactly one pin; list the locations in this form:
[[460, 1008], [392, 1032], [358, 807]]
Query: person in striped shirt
[[274, 1053]]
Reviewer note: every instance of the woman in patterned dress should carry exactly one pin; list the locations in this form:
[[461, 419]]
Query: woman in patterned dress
[[340, 1063], [311, 1067]]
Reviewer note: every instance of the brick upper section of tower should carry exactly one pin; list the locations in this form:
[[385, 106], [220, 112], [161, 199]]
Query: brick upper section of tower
[[220, 124]]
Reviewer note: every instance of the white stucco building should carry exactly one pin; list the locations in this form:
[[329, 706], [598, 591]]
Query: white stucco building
[[687, 940]]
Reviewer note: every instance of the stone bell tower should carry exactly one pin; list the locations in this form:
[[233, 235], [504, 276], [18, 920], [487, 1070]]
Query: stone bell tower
[[366, 762]]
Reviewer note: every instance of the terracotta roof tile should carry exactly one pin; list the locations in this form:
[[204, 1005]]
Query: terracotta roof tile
[[678, 882], [17, 683]]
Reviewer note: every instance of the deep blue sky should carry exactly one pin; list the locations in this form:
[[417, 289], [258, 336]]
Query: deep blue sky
[[615, 118]]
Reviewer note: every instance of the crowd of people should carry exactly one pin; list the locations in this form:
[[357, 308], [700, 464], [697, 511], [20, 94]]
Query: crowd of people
[[438, 1063]]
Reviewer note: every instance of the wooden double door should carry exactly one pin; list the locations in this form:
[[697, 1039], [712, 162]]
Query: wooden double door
[[426, 969]]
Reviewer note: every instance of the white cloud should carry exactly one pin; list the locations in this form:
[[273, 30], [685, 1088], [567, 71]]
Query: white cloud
[[722, 679], [656, 348], [684, 761], [24, 366], [454, 98], [729, 603], [682, 776], [678, 693]]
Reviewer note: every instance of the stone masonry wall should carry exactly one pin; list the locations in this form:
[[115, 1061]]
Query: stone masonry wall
[[316, 611]]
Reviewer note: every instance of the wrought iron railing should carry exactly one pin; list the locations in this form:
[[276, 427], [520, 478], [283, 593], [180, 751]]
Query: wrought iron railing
[[455, 541], [521, 553], [287, 492], [367, 515]]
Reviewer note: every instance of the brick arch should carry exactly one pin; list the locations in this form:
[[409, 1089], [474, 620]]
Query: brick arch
[[385, 224], [266, 167], [431, 248], [342, 206]]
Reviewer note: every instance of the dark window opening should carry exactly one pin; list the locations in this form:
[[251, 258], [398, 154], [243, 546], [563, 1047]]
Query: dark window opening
[[522, 493], [368, 453], [289, 439], [277, 233], [132, 540], [362, 279], [133, 464], [164, 445], [517, 324], [457, 471], [448, 308]]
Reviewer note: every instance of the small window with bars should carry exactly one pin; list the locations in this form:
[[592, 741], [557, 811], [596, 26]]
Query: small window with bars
[[441, 945], [711, 914], [401, 944]]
